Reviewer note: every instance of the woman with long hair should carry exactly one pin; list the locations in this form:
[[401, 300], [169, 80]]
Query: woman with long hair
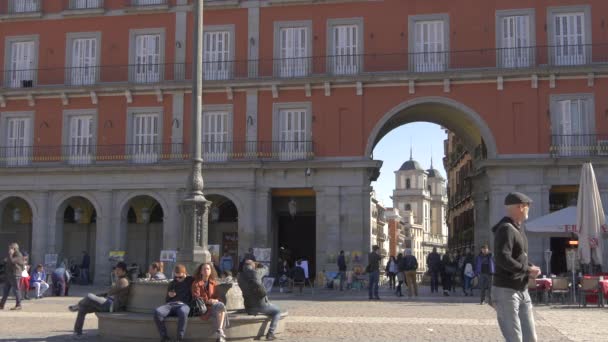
[[204, 287], [391, 271]]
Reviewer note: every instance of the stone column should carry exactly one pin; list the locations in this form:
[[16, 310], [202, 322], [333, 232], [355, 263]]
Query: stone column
[[328, 228], [172, 222], [355, 220], [40, 224], [263, 210], [104, 238], [247, 220]]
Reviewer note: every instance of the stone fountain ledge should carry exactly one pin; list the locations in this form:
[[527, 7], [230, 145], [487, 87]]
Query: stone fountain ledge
[[136, 323]]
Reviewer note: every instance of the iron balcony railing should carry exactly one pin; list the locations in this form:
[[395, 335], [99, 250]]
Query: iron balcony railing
[[85, 4], [579, 145], [139, 3], [89, 154], [23, 6], [522, 59]]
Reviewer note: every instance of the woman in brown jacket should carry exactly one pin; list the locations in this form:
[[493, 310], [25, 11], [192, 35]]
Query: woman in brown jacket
[[204, 286]]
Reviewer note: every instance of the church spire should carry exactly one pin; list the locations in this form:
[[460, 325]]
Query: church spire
[[411, 144]]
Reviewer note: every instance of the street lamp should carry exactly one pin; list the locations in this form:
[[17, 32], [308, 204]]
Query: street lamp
[[193, 247]]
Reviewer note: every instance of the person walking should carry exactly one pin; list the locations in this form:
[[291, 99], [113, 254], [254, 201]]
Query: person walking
[[114, 300], [433, 264], [60, 278], [204, 287], [484, 269], [179, 296], [447, 270], [342, 269], [374, 259], [391, 271], [400, 274], [39, 281], [84, 268], [411, 265], [14, 269], [255, 297], [510, 285], [468, 272]]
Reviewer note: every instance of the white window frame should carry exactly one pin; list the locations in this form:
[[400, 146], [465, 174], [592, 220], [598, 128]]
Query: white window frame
[[339, 63], [585, 51], [85, 4], [82, 75], [218, 151], [292, 150], [218, 68], [574, 143], [419, 61], [519, 56], [135, 75], [25, 6], [24, 74], [292, 67], [22, 155], [151, 153], [79, 155]]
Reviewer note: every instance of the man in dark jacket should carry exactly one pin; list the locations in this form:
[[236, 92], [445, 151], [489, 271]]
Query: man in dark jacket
[[254, 295], [14, 268], [484, 269], [179, 296], [510, 291], [342, 269], [84, 268], [433, 263], [374, 260]]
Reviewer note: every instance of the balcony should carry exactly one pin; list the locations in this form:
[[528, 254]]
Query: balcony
[[372, 67], [85, 155], [84, 7], [579, 145], [22, 9], [146, 5]]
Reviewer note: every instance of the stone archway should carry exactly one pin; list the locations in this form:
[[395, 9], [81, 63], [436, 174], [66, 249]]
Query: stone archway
[[16, 219], [453, 115], [144, 217], [223, 229], [76, 232]]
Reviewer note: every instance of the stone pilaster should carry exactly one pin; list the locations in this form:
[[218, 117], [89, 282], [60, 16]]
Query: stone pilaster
[[104, 237], [40, 226]]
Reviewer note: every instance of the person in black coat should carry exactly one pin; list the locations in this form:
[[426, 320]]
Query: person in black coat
[[179, 296]]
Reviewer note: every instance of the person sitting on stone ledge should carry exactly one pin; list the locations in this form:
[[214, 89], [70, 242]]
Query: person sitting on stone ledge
[[156, 271], [204, 287], [114, 300], [179, 296], [254, 295]]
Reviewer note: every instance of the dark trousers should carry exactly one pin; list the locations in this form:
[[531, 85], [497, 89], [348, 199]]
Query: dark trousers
[[90, 303], [172, 309], [398, 291], [485, 285], [374, 278], [391, 279], [446, 281], [84, 276], [434, 281], [12, 283]]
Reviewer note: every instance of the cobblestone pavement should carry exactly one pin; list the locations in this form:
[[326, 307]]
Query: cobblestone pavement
[[343, 316]]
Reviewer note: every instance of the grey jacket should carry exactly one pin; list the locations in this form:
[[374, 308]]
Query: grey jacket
[[254, 292], [15, 263]]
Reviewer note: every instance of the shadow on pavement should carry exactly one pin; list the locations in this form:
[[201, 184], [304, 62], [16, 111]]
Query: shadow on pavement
[[90, 335]]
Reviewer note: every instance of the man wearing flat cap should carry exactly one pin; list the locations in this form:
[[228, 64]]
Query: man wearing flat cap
[[511, 298]]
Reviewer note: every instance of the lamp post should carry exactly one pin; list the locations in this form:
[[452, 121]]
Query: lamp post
[[194, 208]]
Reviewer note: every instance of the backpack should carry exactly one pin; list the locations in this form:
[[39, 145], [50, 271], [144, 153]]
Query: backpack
[[410, 263], [468, 270]]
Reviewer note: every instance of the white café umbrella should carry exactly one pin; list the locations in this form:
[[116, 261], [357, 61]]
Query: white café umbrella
[[590, 217]]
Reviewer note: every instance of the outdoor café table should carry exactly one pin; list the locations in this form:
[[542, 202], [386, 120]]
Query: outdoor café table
[[592, 299], [545, 285]]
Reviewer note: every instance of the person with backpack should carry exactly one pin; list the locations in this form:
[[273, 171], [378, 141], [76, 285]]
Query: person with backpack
[[433, 264], [373, 269], [468, 273], [411, 265], [448, 268], [484, 269]]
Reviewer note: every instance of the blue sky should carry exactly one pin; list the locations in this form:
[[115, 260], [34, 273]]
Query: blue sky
[[394, 149]]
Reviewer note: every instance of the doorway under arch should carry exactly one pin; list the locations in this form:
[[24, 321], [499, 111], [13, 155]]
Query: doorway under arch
[[223, 231], [16, 223], [144, 216]]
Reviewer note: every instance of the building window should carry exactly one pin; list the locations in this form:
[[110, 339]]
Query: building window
[[25, 6], [429, 43], [408, 207], [515, 38], [147, 55], [293, 48], [81, 139], [144, 134], [217, 131], [570, 35], [408, 183], [85, 4], [346, 46], [218, 52], [292, 124], [573, 123], [18, 130], [83, 58], [21, 61]]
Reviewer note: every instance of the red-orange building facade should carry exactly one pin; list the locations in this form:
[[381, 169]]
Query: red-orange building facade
[[95, 103]]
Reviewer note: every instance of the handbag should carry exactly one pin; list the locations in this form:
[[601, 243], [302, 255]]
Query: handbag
[[198, 307]]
